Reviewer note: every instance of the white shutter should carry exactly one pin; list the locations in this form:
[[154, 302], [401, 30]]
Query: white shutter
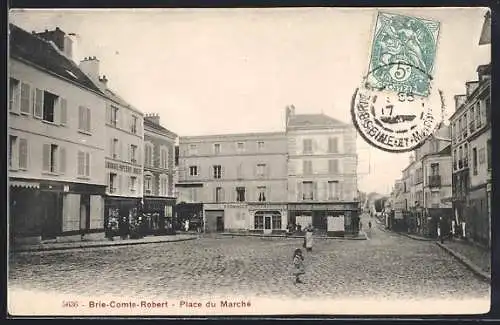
[[62, 160], [38, 103], [25, 98], [87, 164], [46, 157], [299, 191], [81, 163], [88, 120], [222, 199], [63, 113], [108, 113], [23, 153], [80, 118]]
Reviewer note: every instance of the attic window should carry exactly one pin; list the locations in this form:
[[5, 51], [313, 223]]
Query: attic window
[[71, 74]]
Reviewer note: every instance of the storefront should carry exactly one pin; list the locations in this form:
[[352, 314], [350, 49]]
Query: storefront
[[268, 218], [45, 210], [121, 214], [478, 215], [319, 215], [188, 216], [158, 215]]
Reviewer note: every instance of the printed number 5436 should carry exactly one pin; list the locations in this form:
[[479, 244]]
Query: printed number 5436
[[70, 304]]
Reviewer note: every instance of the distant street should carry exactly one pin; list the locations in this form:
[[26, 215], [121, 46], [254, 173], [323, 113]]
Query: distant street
[[386, 265]]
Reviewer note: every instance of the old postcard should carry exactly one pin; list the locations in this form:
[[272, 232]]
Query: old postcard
[[279, 161]]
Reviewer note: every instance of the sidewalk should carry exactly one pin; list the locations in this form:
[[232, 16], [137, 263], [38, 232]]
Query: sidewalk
[[100, 243], [361, 236], [476, 258]]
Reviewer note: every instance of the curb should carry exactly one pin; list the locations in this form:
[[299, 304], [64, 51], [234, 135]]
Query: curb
[[465, 261], [295, 237], [44, 249], [415, 237]]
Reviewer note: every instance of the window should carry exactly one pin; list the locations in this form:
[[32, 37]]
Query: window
[[217, 148], [455, 165], [219, 195], [332, 145], [133, 153], [261, 170], [133, 183], [112, 182], [261, 191], [487, 108], [307, 144], [307, 167], [133, 124], [83, 162], [148, 154], [333, 166], [434, 169], [13, 151], [23, 154], [488, 153], [193, 170], [239, 171], [114, 148], [482, 156], [148, 184], [50, 153], [217, 171], [240, 146], [466, 155], [164, 158], [478, 115], [163, 185], [84, 119], [259, 222], [276, 221], [471, 120], [112, 115], [46, 102], [240, 194], [14, 95], [333, 190], [194, 194], [474, 161], [260, 145], [460, 157], [193, 149], [308, 190]]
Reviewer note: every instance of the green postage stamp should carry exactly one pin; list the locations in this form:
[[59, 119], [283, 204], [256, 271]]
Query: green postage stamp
[[403, 53]]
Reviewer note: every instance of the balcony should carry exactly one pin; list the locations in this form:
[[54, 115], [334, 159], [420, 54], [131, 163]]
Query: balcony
[[434, 181]]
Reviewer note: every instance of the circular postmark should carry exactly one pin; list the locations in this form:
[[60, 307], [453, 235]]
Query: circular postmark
[[394, 120]]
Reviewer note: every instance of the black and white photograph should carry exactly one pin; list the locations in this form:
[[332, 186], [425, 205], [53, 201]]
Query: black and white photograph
[[249, 161]]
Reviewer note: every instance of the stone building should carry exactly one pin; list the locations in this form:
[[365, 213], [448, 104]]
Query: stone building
[[55, 129], [322, 172]]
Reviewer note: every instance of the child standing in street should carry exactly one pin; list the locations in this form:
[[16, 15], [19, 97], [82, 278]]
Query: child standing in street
[[298, 265]]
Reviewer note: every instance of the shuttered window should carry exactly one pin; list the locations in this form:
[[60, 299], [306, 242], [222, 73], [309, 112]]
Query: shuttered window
[[38, 103], [81, 163], [63, 113], [84, 119], [62, 160], [333, 166], [332, 145], [25, 98], [49, 159], [23, 153]]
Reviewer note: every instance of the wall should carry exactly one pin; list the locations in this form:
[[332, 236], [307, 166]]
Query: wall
[[157, 141], [482, 169]]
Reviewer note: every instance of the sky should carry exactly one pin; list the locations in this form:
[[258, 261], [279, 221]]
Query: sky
[[217, 71]]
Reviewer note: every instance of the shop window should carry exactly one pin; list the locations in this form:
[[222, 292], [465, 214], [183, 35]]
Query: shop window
[[276, 221], [240, 194], [259, 222]]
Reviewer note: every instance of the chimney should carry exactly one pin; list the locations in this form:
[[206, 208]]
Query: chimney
[[104, 81], [90, 66], [484, 72], [459, 100], [64, 42], [152, 117], [470, 86]]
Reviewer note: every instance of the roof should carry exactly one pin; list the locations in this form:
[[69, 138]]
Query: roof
[[151, 124], [313, 120], [42, 53], [235, 136]]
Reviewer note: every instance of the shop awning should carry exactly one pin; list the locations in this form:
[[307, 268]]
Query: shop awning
[[24, 184]]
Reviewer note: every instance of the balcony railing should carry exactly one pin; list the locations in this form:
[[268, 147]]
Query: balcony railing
[[434, 181]]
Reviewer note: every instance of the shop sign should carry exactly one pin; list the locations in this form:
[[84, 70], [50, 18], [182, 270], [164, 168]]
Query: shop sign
[[123, 168], [266, 206], [320, 207], [234, 205]]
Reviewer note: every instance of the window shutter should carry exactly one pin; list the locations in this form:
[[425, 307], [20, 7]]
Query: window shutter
[[121, 155], [315, 191], [81, 163], [25, 98], [63, 114], [38, 103], [222, 194], [108, 113], [80, 118], [119, 187], [46, 157], [62, 160], [111, 144], [87, 164], [299, 191], [23, 153], [88, 119]]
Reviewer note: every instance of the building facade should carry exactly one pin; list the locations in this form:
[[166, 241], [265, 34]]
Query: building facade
[[159, 161], [123, 143], [235, 182], [56, 153], [322, 172]]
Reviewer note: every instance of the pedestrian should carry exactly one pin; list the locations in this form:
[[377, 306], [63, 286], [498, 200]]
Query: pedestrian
[[308, 238], [186, 225], [370, 225], [298, 265]]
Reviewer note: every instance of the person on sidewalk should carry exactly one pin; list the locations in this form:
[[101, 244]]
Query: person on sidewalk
[[308, 238], [298, 265]]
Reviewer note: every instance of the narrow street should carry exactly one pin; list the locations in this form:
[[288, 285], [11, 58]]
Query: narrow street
[[386, 266]]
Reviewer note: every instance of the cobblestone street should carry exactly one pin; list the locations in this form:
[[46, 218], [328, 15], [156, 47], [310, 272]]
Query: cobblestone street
[[386, 266]]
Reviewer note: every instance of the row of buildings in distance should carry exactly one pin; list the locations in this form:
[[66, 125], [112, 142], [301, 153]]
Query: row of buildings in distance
[[80, 155]]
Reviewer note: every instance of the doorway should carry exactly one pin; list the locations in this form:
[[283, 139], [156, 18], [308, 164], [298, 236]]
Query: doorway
[[51, 205], [267, 225], [84, 213], [220, 224]]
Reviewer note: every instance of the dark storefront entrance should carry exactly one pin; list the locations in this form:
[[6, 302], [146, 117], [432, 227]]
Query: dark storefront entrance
[[158, 215], [120, 213], [193, 212]]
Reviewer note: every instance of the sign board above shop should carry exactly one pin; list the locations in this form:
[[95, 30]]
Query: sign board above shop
[[322, 207], [123, 168]]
